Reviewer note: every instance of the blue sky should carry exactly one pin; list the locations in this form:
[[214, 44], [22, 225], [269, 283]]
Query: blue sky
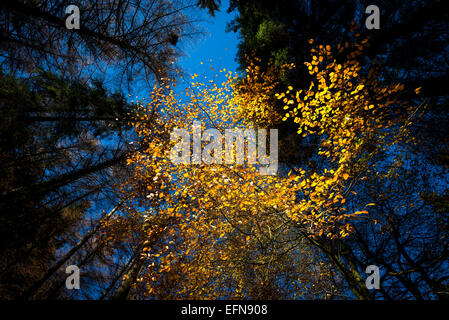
[[217, 44], [216, 48]]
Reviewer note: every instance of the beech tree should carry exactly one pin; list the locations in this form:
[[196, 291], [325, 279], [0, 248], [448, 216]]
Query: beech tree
[[232, 232]]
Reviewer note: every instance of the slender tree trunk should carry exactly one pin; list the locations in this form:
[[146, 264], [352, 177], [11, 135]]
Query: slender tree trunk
[[51, 293], [124, 288], [118, 276], [33, 289], [46, 187]]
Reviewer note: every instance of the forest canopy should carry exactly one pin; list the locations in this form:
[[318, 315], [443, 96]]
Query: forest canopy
[[354, 120]]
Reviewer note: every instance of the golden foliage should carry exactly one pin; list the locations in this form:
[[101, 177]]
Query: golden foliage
[[210, 231]]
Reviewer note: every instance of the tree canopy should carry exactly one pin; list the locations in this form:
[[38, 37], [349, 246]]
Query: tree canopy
[[359, 176]]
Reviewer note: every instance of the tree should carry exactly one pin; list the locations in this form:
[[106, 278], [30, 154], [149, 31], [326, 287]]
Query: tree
[[53, 162], [65, 133], [280, 31], [131, 40], [232, 232]]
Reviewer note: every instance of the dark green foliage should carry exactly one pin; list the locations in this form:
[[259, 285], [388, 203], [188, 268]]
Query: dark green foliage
[[210, 5]]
